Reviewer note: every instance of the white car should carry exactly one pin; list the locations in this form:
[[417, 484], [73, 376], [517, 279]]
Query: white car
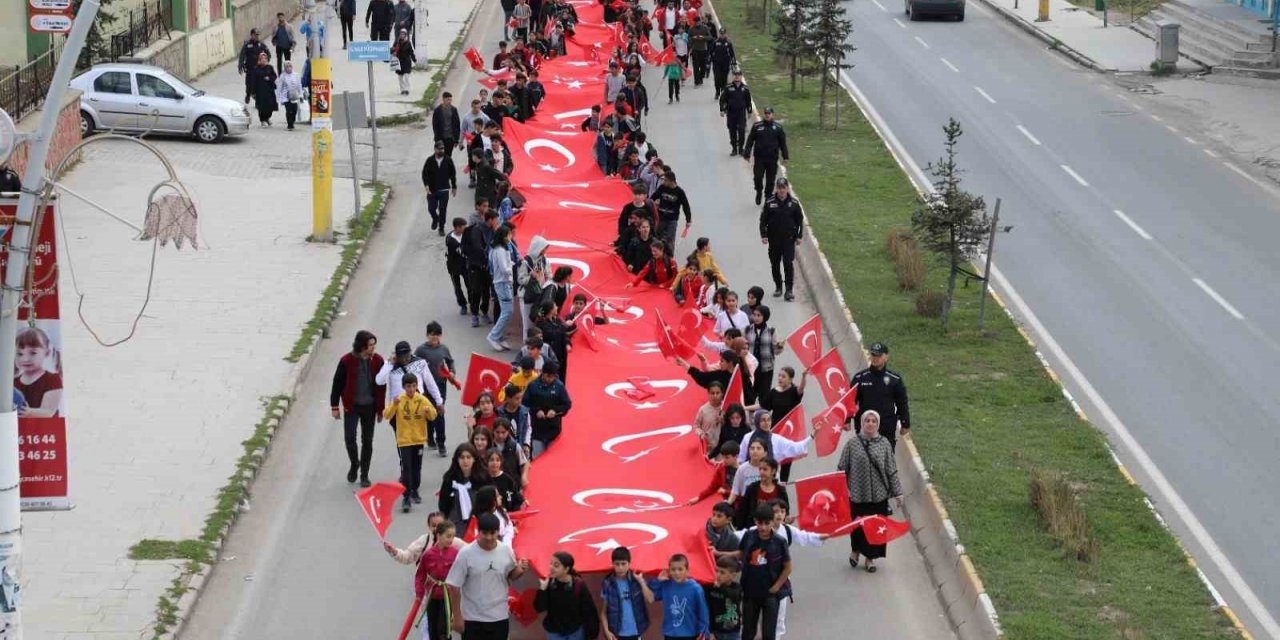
[[139, 97]]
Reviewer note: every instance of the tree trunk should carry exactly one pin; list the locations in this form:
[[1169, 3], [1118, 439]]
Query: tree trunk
[[951, 292], [794, 67], [837, 102], [822, 100]]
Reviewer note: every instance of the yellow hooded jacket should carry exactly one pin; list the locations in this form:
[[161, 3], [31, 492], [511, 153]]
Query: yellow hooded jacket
[[412, 415]]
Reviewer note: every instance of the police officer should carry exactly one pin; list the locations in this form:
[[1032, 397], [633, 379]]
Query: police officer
[[723, 58], [781, 227], [735, 104], [883, 391], [768, 139], [249, 52]]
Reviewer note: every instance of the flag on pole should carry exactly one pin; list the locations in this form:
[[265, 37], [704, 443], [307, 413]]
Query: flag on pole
[[484, 374], [824, 504], [832, 379], [378, 501], [806, 341], [881, 529], [475, 59]]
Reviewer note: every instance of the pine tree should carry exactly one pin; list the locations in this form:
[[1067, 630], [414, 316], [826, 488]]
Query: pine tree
[[828, 29], [950, 221], [97, 45], [789, 39]]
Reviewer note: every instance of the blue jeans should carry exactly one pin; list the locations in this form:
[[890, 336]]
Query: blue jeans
[[576, 635], [506, 300], [438, 206]]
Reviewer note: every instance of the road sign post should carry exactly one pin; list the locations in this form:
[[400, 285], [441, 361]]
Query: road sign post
[[351, 145], [369, 52]]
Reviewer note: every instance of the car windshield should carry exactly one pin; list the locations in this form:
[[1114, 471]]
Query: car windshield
[[182, 86]]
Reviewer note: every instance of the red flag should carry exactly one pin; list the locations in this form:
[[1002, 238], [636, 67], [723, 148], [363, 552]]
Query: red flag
[[619, 34], [377, 502], [536, 60], [686, 72], [693, 325], [806, 341], [521, 605], [669, 343], [549, 28], [484, 374], [667, 56], [542, 156], [735, 393], [470, 535], [882, 529], [824, 503], [448, 375], [830, 424], [587, 329], [474, 57], [512, 23], [832, 379], [642, 389], [791, 426]]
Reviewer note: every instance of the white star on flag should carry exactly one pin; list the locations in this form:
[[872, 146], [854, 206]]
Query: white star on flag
[[575, 85], [548, 168], [607, 545]]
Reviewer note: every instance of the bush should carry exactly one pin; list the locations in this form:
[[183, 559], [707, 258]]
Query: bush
[[896, 238], [909, 266], [1062, 515], [929, 303]]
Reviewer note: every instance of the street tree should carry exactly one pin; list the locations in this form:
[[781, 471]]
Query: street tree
[[97, 46], [828, 29], [950, 221], [789, 40]]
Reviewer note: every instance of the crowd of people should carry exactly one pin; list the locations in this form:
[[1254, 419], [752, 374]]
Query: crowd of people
[[752, 524]]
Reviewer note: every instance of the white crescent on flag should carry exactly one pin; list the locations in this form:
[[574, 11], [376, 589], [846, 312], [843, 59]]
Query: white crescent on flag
[[544, 143], [658, 534], [677, 431]]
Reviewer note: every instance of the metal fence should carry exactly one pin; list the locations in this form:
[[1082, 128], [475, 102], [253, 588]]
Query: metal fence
[[22, 88], [146, 24]]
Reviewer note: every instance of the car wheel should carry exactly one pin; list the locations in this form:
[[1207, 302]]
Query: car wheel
[[209, 129], [86, 124], [914, 15], [960, 16], [906, 8]]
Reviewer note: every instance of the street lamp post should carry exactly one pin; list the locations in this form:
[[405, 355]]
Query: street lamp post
[[11, 297]]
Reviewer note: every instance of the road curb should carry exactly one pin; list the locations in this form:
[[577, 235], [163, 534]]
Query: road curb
[[1054, 43], [960, 589]]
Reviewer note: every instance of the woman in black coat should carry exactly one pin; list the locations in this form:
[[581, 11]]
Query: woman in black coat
[[262, 79]]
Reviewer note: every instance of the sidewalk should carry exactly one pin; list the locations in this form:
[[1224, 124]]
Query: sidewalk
[[1113, 48], [156, 423]]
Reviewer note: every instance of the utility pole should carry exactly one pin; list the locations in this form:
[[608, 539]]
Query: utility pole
[[986, 273], [15, 285], [321, 128]]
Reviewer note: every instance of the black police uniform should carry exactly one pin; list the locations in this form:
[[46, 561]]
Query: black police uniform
[[249, 52], [884, 392], [768, 140], [782, 223], [722, 58], [735, 104]]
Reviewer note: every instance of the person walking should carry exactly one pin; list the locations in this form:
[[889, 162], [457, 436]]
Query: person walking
[[533, 276], [458, 486], [379, 18], [723, 57], [441, 367], [289, 94], [263, 80], [872, 475], [508, 7], [671, 200], [563, 595], [347, 16], [446, 124], [766, 571], [672, 72], [402, 51], [501, 273], [283, 40], [884, 392], [476, 241], [480, 576], [522, 15], [548, 401], [403, 18], [411, 411], [781, 228], [440, 179], [699, 47], [768, 140], [456, 263], [355, 386], [735, 104], [250, 51]]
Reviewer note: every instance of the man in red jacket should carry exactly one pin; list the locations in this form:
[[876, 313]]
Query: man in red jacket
[[362, 400]]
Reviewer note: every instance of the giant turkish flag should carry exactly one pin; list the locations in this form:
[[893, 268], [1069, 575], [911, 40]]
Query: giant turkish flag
[[542, 156]]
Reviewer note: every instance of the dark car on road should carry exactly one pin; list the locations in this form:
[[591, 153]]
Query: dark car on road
[[918, 9]]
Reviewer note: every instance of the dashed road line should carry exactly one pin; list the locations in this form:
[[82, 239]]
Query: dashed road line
[[922, 42], [1071, 172], [949, 65], [1218, 298], [899, 23], [1133, 225], [984, 94], [1028, 135], [1171, 128], [880, 5], [1190, 140], [1210, 153], [1156, 117]]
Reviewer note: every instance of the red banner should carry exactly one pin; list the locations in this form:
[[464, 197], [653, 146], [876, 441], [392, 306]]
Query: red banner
[[39, 394], [549, 156]]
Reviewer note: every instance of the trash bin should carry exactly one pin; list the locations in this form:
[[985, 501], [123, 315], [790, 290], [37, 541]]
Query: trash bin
[[1166, 35]]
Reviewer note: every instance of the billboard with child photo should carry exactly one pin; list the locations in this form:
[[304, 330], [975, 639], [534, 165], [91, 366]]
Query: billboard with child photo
[[37, 376]]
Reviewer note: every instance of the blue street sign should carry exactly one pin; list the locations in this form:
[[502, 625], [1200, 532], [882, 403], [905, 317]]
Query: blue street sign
[[369, 51]]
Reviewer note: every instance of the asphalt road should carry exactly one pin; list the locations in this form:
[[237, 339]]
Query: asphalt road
[[1142, 251], [303, 562]]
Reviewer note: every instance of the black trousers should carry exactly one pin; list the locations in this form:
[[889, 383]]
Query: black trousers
[[438, 207], [380, 32], [479, 288], [667, 233], [472, 630], [411, 469], [290, 113], [438, 619], [673, 89], [761, 382], [720, 75], [858, 540], [766, 170], [737, 124], [699, 66], [435, 428], [762, 614], [348, 29], [282, 55], [361, 454], [782, 257], [458, 277]]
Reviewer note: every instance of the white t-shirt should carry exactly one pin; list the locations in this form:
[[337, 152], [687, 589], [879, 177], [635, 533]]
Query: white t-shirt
[[482, 577]]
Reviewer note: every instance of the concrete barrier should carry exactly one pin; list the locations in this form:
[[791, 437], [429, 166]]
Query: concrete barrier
[[248, 14], [67, 134], [169, 54], [209, 47]]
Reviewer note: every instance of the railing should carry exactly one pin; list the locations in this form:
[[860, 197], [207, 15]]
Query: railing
[[146, 25], [22, 89]]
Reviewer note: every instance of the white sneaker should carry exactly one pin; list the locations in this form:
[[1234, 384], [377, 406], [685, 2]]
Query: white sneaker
[[496, 346], [506, 346]]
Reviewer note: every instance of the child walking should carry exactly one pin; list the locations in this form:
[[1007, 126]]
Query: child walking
[[564, 597], [428, 583], [684, 605], [724, 601], [411, 411], [623, 596]]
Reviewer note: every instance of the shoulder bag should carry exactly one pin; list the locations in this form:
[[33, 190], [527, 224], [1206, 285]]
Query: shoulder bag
[[879, 472]]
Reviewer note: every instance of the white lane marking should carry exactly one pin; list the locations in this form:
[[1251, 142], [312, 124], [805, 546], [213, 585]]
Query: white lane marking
[[1028, 135], [984, 94], [1190, 140], [1071, 172], [1156, 118], [922, 42], [1238, 170], [949, 65], [1210, 153], [1133, 225], [880, 5], [1218, 299], [1171, 129], [899, 23], [1108, 415]]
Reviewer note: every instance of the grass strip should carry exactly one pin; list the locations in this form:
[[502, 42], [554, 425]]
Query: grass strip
[[358, 230], [988, 417]]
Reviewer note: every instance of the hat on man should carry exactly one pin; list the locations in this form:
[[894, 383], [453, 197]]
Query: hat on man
[[768, 109], [403, 348], [878, 349], [781, 182]]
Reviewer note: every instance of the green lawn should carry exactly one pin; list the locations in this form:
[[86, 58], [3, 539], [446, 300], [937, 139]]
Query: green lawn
[[986, 413]]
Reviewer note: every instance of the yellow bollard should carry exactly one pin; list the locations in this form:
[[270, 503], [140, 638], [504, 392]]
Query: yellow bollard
[[321, 151], [1044, 11]]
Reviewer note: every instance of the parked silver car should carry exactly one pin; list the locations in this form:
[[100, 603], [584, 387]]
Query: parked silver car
[[138, 97]]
